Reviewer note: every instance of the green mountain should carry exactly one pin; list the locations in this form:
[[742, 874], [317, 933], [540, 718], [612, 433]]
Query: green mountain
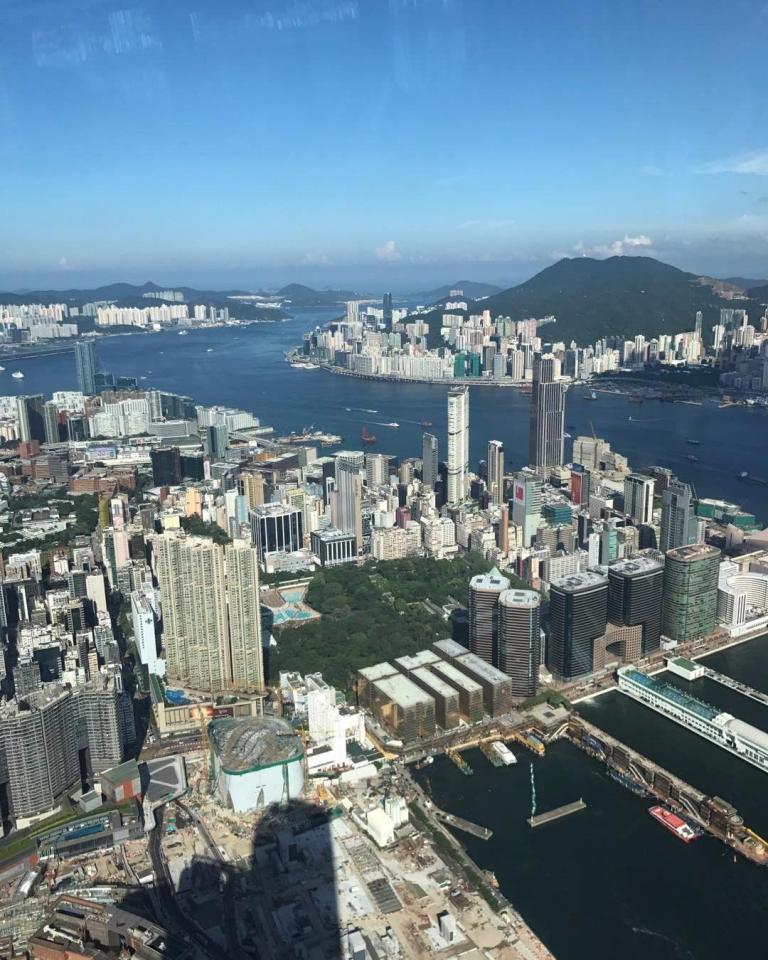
[[302, 296], [620, 296]]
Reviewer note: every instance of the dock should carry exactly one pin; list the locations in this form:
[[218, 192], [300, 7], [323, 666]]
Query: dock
[[715, 816], [460, 762], [450, 820], [736, 685], [566, 810]]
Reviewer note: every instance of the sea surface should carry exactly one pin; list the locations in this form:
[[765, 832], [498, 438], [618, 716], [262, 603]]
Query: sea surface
[[609, 881], [244, 367]]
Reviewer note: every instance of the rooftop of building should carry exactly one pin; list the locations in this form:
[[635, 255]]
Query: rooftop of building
[[378, 671], [520, 598], [122, 772], [575, 582], [435, 683], [446, 669], [482, 669], [402, 691], [332, 534], [493, 580], [693, 552], [635, 566], [449, 647], [421, 659], [251, 743]]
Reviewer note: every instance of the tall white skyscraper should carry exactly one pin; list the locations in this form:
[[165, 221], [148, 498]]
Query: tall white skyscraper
[[638, 497], [458, 445], [496, 472]]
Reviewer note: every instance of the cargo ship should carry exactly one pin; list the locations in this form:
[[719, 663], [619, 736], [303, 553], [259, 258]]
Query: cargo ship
[[503, 752], [682, 830]]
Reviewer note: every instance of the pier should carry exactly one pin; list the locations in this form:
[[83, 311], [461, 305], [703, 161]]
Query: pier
[[450, 820], [557, 813], [737, 686], [713, 815]]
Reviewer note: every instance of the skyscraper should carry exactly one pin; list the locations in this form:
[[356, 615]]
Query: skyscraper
[[348, 503], [31, 415], [526, 504], [244, 616], [638, 498], [190, 573], [519, 649], [578, 613], [635, 590], [458, 445], [387, 312], [496, 472], [690, 592], [85, 363], [679, 524], [429, 460], [484, 592], [547, 425]]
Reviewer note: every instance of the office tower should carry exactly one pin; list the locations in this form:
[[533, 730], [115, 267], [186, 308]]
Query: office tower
[[39, 740], [484, 592], [429, 460], [244, 616], [699, 324], [458, 445], [387, 311], [50, 414], [30, 413], [85, 363], [348, 502], [519, 650], [166, 466], [496, 472], [526, 504], [635, 591], [144, 619], [679, 524], [547, 425], [190, 574], [251, 486], [276, 528], [216, 441], [377, 470], [690, 592], [77, 429], [638, 498], [578, 613]]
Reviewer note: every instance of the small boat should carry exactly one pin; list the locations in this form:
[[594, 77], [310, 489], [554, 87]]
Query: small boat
[[692, 458], [590, 396], [366, 437], [693, 443], [422, 423], [394, 424], [566, 436], [209, 350], [183, 333], [1, 369], [17, 375], [681, 829]]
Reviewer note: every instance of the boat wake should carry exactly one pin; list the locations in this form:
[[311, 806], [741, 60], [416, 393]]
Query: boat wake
[[681, 949]]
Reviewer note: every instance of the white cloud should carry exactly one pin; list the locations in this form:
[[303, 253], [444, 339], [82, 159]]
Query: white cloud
[[616, 248], [388, 251], [754, 162]]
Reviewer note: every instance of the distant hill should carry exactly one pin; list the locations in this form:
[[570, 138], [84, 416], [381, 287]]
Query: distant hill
[[301, 296], [620, 296], [745, 284], [132, 295], [469, 288]]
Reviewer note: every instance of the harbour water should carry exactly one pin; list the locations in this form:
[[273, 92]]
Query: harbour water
[[609, 881], [245, 368]]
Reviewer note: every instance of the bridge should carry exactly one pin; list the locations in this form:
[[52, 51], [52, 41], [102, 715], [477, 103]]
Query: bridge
[[736, 685]]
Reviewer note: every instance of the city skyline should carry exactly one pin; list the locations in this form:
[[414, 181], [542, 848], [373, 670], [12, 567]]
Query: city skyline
[[665, 155]]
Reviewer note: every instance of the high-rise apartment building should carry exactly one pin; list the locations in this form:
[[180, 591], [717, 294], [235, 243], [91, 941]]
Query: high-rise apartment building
[[484, 592], [458, 445], [519, 645], [429, 460], [244, 616], [638, 498], [578, 613], [496, 472], [85, 364], [690, 592], [679, 523], [547, 424]]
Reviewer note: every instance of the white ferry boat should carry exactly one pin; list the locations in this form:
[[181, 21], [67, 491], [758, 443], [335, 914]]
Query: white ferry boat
[[503, 752], [17, 375]]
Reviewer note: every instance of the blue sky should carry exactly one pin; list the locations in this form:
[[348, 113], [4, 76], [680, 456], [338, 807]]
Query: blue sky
[[378, 142]]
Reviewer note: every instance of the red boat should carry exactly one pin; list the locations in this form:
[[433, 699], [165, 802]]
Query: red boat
[[682, 830], [366, 437]]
